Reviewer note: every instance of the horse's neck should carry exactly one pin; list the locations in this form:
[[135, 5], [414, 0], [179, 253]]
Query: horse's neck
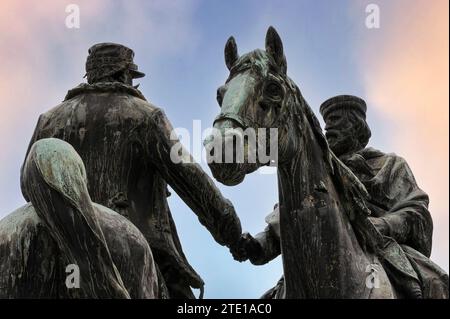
[[306, 172], [316, 237]]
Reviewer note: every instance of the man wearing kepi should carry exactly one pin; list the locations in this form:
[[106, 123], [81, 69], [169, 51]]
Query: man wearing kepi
[[399, 208], [125, 144]]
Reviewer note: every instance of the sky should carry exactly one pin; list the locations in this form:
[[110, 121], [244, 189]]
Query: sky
[[400, 69]]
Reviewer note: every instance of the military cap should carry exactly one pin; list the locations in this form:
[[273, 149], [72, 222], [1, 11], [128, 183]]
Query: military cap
[[343, 101], [106, 59]]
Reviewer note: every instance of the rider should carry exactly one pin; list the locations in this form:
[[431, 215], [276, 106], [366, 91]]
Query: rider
[[125, 143], [399, 207]]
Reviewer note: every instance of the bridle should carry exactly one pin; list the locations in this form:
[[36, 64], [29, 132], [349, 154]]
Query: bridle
[[243, 122]]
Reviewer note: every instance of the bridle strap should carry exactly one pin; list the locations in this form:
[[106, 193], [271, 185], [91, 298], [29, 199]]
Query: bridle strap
[[243, 122]]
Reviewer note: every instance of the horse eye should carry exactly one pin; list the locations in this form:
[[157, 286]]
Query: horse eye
[[273, 89]]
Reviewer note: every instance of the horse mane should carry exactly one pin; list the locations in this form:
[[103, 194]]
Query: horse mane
[[353, 189], [353, 194]]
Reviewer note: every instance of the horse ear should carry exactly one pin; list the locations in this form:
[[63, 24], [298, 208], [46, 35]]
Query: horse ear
[[274, 46], [231, 52]]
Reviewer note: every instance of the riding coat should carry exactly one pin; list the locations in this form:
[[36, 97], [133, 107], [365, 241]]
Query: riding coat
[[125, 143]]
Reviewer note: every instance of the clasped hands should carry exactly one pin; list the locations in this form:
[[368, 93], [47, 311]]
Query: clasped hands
[[247, 247]]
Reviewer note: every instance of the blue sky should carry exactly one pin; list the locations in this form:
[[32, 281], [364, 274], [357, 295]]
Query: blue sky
[[179, 45]]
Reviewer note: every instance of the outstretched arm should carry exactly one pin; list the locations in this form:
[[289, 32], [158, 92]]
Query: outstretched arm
[[191, 183]]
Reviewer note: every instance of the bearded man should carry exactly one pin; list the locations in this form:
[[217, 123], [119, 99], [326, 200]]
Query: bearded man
[[399, 208]]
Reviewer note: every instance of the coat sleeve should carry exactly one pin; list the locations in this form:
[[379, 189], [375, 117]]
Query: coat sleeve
[[190, 182], [408, 219], [269, 239], [270, 246]]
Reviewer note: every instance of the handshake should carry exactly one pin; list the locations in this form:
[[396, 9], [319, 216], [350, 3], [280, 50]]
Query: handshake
[[247, 247], [262, 248], [243, 246]]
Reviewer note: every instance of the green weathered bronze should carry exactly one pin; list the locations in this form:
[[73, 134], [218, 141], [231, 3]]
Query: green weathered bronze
[[125, 143], [327, 223]]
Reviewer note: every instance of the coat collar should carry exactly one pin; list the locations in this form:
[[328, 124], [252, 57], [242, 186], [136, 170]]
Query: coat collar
[[104, 87]]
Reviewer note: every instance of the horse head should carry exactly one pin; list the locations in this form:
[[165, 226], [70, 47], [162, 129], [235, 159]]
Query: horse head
[[257, 96]]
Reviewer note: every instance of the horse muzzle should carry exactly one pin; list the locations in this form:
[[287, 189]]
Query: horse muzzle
[[227, 152]]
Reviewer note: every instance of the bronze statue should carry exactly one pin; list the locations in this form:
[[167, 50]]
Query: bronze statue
[[98, 166], [327, 225], [61, 226], [124, 142], [399, 207]]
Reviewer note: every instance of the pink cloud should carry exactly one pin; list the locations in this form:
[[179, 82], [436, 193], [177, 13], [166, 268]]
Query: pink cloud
[[406, 80], [42, 59]]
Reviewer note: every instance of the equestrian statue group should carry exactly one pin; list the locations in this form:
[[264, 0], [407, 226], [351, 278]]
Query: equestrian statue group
[[97, 171]]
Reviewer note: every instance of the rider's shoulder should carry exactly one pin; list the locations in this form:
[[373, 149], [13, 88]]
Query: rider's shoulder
[[109, 96], [370, 153], [104, 88]]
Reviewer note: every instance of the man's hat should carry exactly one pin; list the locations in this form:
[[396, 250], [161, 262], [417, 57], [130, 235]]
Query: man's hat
[[343, 101], [106, 59]]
